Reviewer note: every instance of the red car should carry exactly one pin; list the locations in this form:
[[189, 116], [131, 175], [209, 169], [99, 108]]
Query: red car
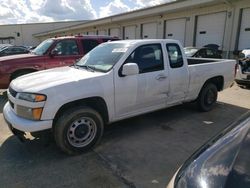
[[54, 52]]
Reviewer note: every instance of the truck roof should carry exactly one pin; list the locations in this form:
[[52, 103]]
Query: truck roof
[[85, 36], [142, 41]]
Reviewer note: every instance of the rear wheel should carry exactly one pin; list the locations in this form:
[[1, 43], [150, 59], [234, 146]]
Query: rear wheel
[[78, 130], [207, 97]]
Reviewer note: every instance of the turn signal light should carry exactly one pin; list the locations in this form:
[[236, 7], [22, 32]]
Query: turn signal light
[[37, 113]]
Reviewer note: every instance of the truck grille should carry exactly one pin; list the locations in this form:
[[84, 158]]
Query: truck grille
[[12, 92]]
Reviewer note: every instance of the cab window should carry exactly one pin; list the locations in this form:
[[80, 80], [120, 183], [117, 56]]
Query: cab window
[[174, 55]]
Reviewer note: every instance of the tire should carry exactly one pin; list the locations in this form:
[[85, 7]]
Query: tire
[[207, 97], [78, 129], [16, 75]]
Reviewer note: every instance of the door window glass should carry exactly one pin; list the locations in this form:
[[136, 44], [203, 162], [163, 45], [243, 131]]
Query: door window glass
[[66, 47], [147, 57]]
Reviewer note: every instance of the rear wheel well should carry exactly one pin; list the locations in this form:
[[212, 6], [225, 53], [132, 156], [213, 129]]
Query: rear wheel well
[[218, 81], [21, 72], [97, 103]]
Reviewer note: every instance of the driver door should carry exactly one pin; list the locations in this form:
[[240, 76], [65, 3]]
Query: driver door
[[146, 91], [64, 53]]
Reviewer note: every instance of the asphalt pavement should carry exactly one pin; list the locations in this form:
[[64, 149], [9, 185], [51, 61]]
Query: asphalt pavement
[[142, 152]]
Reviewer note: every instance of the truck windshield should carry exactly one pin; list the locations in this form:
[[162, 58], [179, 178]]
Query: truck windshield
[[103, 57], [43, 47]]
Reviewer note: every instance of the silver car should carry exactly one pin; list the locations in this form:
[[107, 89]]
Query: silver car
[[243, 70]]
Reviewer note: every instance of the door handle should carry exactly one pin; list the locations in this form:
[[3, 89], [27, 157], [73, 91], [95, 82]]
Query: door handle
[[161, 77]]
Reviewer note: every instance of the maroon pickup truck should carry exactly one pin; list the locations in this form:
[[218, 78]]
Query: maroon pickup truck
[[54, 52]]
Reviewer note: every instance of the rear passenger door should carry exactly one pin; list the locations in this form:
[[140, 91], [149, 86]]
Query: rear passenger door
[[178, 73]]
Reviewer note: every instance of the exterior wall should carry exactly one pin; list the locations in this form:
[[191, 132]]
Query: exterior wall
[[231, 34], [22, 33]]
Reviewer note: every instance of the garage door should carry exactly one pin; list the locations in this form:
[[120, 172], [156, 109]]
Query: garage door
[[115, 32], [244, 40], [175, 29], [130, 32], [92, 33], [210, 29], [101, 32], [149, 30]]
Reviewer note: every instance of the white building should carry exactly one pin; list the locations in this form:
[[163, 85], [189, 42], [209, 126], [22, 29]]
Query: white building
[[22, 34], [193, 22]]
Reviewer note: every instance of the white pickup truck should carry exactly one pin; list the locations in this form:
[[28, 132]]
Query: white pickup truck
[[114, 81]]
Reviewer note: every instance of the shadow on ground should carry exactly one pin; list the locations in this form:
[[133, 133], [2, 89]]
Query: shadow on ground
[[139, 152]]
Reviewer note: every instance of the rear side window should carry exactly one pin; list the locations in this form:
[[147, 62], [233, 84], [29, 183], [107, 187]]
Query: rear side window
[[174, 55], [89, 44]]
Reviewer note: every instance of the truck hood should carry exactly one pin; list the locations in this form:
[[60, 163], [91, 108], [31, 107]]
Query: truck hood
[[17, 57], [43, 80]]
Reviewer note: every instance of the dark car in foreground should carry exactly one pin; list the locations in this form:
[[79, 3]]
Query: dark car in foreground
[[204, 52], [224, 161], [13, 50]]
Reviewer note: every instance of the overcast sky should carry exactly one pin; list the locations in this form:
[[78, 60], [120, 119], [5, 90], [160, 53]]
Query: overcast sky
[[32, 11]]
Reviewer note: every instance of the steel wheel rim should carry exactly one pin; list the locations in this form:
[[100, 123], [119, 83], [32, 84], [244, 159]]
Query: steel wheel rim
[[210, 97], [81, 132]]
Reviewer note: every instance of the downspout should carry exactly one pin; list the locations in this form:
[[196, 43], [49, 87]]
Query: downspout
[[232, 11]]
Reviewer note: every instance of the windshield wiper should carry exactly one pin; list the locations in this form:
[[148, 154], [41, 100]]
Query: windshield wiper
[[87, 67]]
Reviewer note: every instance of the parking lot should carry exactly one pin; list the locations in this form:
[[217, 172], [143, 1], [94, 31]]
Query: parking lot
[[140, 152]]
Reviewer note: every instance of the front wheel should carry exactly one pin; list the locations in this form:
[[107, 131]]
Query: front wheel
[[207, 97], [78, 129], [16, 75]]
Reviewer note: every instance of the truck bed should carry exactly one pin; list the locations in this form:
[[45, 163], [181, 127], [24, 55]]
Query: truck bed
[[195, 61]]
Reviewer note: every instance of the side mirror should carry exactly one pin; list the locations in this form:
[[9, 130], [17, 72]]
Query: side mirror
[[130, 69]]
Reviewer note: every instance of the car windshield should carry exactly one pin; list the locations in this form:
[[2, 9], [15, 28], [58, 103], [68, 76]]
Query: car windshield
[[43, 47], [190, 51], [103, 57]]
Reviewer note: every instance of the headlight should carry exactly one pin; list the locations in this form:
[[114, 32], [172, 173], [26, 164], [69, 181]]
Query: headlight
[[31, 97], [29, 113]]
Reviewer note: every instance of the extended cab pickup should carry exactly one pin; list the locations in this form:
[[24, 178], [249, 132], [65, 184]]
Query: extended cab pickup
[[114, 81], [51, 53]]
